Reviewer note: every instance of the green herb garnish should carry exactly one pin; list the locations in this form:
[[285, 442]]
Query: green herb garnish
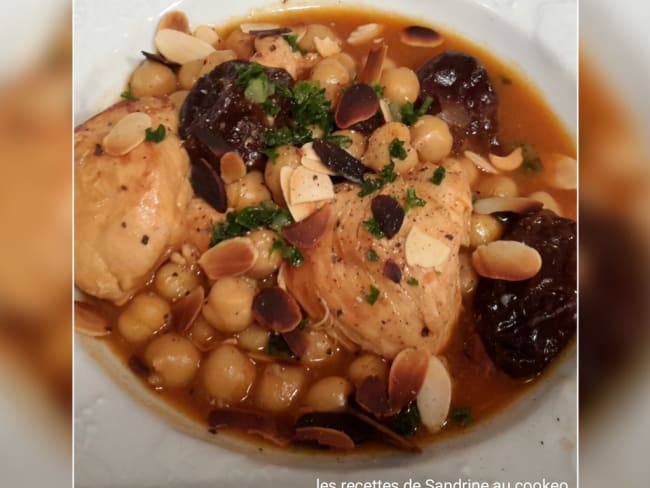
[[339, 140], [406, 422], [373, 296], [461, 416], [372, 227], [277, 346], [532, 162], [379, 90], [290, 253], [396, 149], [292, 40], [271, 153], [438, 175], [270, 107], [372, 255], [238, 223], [412, 200], [410, 114], [412, 282], [386, 175], [157, 135], [255, 82], [309, 106], [128, 94]]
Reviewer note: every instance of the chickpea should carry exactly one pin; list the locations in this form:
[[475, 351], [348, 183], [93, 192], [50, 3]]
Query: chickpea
[[267, 261], [143, 317], [173, 281], [189, 73], [484, 229], [329, 394], [228, 375], [348, 61], [319, 347], [178, 98], [243, 44], [152, 79], [229, 304], [173, 359], [313, 31], [215, 59], [377, 155], [278, 387], [469, 170], [202, 334], [367, 365], [332, 75], [252, 190], [254, 338], [401, 85], [359, 142], [497, 186], [287, 156], [432, 139]]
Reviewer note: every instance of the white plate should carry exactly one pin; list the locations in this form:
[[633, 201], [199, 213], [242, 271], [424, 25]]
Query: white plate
[[119, 442]]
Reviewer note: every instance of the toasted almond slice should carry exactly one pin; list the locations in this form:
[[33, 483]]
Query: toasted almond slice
[[180, 47], [372, 396], [276, 310], [364, 33], [563, 173], [510, 162], [480, 162], [519, 205], [506, 260], [249, 27], [311, 161], [434, 398], [174, 20], [88, 322], [406, 377], [232, 257], [423, 250], [233, 167], [298, 211], [371, 72], [547, 200], [186, 309], [306, 233], [385, 110], [207, 34], [358, 103], [306, 185], [419, 36], [325, 436], [127, 134], [326, 47]]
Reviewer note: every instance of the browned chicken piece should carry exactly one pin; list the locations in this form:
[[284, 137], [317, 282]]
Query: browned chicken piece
[[128, 209], [337, 273]]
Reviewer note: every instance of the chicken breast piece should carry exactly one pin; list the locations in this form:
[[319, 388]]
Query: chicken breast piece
[[337, 273], [128, 209]]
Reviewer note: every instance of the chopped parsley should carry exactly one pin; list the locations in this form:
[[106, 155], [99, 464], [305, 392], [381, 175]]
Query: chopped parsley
[[461, 416], [157, 135], [379, 90], [128, 94], [532, 162], [339, 140], [406, 422], [270, 107], [271, 153], [250, 218], [292, 40], [290, 253], [373, 296], [412, 282], [412, 200], [277, 346], [396, 149], [372, 227], [438, 175], [410, 114], [386, 175], [255, 82], [372, 255]]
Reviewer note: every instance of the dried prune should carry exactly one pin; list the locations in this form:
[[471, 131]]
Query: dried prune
[[460, 86], [525, 324]]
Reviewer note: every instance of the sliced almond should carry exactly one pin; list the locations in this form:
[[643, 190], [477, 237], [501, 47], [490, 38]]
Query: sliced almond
[[519, 205], [276, 310], [510, 162], [358, 103], [326, 47], [174, 20], [386, 111], [371, 72], [298, 211], [311, 161], [186, 309], [372, 396], [423, 250], [419, 36], [249, 27], [232, 166], [325, 436], [306, 233], [547, 200], [563, 173], [406, 377], [232, 257], [480, 162], [127, 134], [364, 34], [88, 322], [506, 260], [207, 34], [180, 47], [434, 398], [306, 185]]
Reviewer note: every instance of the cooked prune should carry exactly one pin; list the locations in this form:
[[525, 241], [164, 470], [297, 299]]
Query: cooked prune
[[216, 106], [460, 86], [525, 324]]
